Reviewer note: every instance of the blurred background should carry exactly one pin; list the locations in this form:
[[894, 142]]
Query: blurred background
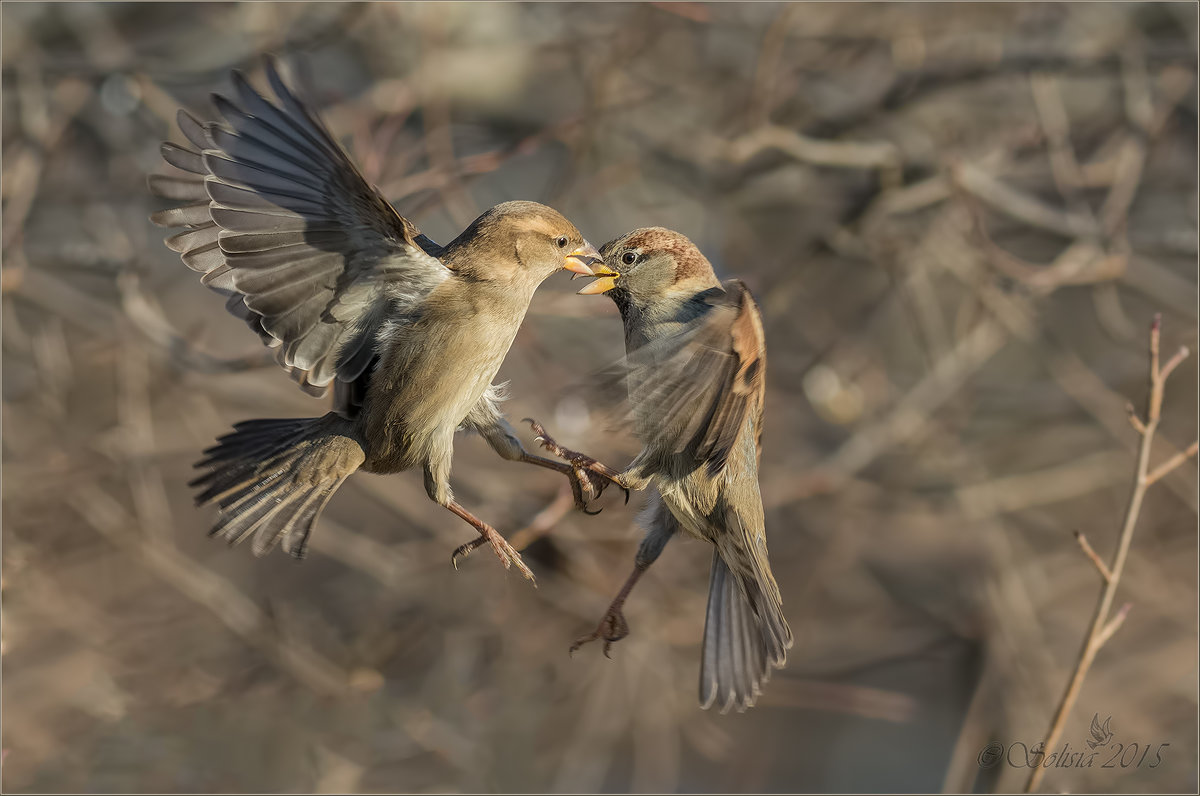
[[959, 220]]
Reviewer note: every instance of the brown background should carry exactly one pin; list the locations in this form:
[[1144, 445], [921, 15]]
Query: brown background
[[944, 408]]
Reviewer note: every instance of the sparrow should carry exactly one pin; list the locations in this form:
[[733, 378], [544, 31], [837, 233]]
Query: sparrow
[[695, 374], [351, 295]]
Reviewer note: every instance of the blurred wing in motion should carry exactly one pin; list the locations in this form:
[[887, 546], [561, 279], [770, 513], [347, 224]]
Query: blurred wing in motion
[[279, 219], [693, 391]]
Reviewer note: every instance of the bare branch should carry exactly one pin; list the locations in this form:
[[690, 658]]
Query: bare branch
[[1102, 626]]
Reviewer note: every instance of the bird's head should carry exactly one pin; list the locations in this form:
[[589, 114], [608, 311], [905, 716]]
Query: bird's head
[[521, 242], [650, 265]]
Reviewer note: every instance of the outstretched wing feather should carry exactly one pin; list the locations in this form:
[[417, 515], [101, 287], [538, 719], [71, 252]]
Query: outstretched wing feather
[[277, 217]]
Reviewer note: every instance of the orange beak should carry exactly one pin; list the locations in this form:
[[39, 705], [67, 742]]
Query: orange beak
[[606, 282], [582, 259]]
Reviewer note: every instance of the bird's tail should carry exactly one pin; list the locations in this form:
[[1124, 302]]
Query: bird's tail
[[745, 635], [272, 478]]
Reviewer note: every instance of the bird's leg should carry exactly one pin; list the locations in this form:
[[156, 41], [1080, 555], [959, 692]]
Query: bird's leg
[[613, 627], [504, 551], [579, 461], [585, 484], [661, 528], [583, 488], [437, 486]]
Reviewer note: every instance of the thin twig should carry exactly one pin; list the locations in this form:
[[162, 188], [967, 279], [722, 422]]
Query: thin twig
[[1134, 420], [1113, 625], [1090, 552], [1103, 627], [1088, 390], [1174, 361], [1172, 463]]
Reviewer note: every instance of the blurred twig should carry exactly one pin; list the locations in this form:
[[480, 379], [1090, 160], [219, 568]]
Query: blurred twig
[[1021, 206], [1050, 485], [909, 86], [873, 703], [912, 412], [544, 521], [766, 71], [24, 169], [237, 611], [881, 155], [287, 39], [1103, 624], [148, 318]]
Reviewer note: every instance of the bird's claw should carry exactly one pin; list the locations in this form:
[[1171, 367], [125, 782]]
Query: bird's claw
[[589, 478], [507, 554], [586, 486], [612, 628], [464, 550]]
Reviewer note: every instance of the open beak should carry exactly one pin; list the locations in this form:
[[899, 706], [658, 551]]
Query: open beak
[[582, 259], [607, 281]]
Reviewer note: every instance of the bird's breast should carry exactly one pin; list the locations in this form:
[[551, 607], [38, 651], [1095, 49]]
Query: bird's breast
[[700, 500], [430, 376]]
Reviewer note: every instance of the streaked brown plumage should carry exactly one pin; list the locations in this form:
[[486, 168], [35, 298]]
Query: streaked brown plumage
[[695, 373], [351, 295]]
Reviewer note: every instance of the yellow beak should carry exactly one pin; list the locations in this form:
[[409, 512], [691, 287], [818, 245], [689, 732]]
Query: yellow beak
[[606, 282], [582, 259]]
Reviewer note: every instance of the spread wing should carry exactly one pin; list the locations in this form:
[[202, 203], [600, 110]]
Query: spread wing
[[277, 217], [693, 391]]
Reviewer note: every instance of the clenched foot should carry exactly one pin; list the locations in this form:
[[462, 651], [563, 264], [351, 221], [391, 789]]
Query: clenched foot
[[589, 478], [612, 628]]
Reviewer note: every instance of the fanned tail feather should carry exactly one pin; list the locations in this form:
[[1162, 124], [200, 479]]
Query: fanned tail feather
[[745, 636], [272, 478]]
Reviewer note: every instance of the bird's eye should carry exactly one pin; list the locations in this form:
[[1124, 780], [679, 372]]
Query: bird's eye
[[562, 241], [629, 258]]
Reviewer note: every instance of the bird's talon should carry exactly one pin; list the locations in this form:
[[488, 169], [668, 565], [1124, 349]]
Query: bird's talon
[[590, 513], [590, 476], [503, 550], [612, 628]]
